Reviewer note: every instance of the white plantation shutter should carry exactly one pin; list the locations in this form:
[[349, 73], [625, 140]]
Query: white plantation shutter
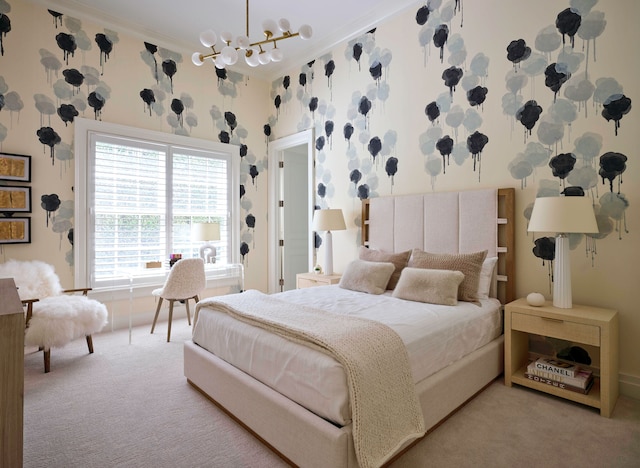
[[200, 194], [138, 198], [130, 205]]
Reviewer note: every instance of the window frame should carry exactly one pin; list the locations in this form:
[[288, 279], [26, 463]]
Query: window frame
[[83, 188]]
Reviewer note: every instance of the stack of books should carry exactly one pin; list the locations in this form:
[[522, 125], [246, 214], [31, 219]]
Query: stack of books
[[560, 374]]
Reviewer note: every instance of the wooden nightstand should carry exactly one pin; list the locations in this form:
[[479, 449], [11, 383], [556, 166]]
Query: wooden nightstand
[[308, 280], [584, 325]]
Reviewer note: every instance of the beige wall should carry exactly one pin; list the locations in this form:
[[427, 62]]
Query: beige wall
[[411, 80]]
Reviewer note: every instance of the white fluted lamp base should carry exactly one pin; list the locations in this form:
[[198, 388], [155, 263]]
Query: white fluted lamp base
[[328, 220], [562, 274], [328, 254]]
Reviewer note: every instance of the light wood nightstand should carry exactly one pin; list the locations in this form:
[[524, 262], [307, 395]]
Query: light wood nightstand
[[584, 325], [308, 280]]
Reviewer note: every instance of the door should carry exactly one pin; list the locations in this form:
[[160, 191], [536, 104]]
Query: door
[[295, 215], [290, 209]]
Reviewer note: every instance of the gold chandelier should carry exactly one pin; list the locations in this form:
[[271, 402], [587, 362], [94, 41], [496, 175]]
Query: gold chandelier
[[254, 54]]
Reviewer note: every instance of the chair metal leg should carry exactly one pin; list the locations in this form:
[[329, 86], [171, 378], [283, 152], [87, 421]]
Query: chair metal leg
[[171, 301], [156, 317], [90, 344], [47, 360]]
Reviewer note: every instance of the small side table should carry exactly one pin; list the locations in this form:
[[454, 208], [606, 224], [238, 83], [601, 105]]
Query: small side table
[[309, 280], [591, 326]]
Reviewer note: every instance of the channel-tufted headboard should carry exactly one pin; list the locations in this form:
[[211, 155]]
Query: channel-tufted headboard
[[447, 222]]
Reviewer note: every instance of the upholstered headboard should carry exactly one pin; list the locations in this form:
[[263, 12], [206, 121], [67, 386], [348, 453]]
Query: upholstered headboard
[[447, 222]]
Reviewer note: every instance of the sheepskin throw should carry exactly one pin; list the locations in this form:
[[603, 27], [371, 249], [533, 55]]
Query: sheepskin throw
[[385, 409], [60, 319], [34, 279], [57, 318]]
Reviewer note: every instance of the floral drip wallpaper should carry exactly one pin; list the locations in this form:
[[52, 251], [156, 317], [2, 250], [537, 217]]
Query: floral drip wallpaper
[[446, 95], [548, 87], [79, 66]]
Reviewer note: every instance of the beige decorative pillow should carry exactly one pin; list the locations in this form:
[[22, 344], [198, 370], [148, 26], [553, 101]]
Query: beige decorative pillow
[[368, 277], [469, 264], [398, 259], [432, 286]]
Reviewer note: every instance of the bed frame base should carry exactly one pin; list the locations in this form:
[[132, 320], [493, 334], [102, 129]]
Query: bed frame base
[[304, 439]]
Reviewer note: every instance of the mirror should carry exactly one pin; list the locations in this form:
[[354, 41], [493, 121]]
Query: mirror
[[291, 179]]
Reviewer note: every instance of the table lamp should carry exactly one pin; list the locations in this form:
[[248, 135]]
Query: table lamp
[[206, 233], [328, 220], [562, 215]]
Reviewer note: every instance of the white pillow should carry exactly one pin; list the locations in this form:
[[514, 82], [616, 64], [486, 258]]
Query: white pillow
[[486, 277], [431, 286], [368, 277]]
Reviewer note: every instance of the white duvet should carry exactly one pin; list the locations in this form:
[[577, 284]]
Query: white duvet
[[435, 337]]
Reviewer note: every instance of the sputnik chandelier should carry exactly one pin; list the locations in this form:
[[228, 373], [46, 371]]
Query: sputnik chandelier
[[254, 54]]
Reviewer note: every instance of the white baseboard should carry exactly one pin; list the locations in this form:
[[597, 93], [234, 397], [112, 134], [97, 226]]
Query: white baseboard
[[629, 386]]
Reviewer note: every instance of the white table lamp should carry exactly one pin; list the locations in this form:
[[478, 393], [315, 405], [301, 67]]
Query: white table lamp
[[206, 233], [328, 220], [563, 215]]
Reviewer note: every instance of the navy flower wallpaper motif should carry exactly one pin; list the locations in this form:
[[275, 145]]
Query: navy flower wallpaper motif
[[76, 66], [551, 67]]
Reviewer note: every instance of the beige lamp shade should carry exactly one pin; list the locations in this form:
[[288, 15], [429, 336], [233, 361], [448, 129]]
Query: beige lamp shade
[[563, 215], [328, 220], [205, 231]]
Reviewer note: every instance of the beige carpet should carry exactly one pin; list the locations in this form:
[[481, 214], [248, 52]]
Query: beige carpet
[[128, 405]]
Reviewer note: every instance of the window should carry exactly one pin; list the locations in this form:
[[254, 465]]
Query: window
[[137, 195]]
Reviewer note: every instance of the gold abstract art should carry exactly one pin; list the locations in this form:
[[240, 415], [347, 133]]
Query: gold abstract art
[[12, 230], [13, 199], [12, 167]]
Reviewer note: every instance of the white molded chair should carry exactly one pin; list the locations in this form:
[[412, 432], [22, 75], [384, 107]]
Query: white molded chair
[[54, 317], [186, 280]]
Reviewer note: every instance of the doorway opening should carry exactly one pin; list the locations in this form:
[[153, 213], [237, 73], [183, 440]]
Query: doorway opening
[[291, 204]]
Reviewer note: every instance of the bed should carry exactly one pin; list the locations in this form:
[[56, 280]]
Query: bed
[[309, 424]]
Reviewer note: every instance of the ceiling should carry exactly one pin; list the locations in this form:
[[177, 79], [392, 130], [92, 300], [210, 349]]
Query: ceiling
[[176, 24]]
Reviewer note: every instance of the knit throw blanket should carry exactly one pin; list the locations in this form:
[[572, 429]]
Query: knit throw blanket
[[385, 409]]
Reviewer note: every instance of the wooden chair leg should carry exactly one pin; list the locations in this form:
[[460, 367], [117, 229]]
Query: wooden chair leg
[[156, 317], [47, 360], [90, 344], [186, 303], [171, 301]]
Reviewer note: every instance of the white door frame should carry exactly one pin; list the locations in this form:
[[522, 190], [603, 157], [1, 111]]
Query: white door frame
[[276, 148]]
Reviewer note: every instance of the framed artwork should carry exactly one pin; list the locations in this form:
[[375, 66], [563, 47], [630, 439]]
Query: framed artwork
[[14, 199], [15, 167], [15, 230]]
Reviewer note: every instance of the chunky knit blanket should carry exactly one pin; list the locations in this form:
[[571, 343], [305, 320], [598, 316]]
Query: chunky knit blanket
[[385, 409]]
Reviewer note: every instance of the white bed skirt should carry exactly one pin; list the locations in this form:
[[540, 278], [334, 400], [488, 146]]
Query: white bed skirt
[[310, 441]]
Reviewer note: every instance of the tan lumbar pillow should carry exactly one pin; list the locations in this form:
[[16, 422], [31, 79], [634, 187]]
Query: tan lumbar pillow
[[431, 286], [368, 277]]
